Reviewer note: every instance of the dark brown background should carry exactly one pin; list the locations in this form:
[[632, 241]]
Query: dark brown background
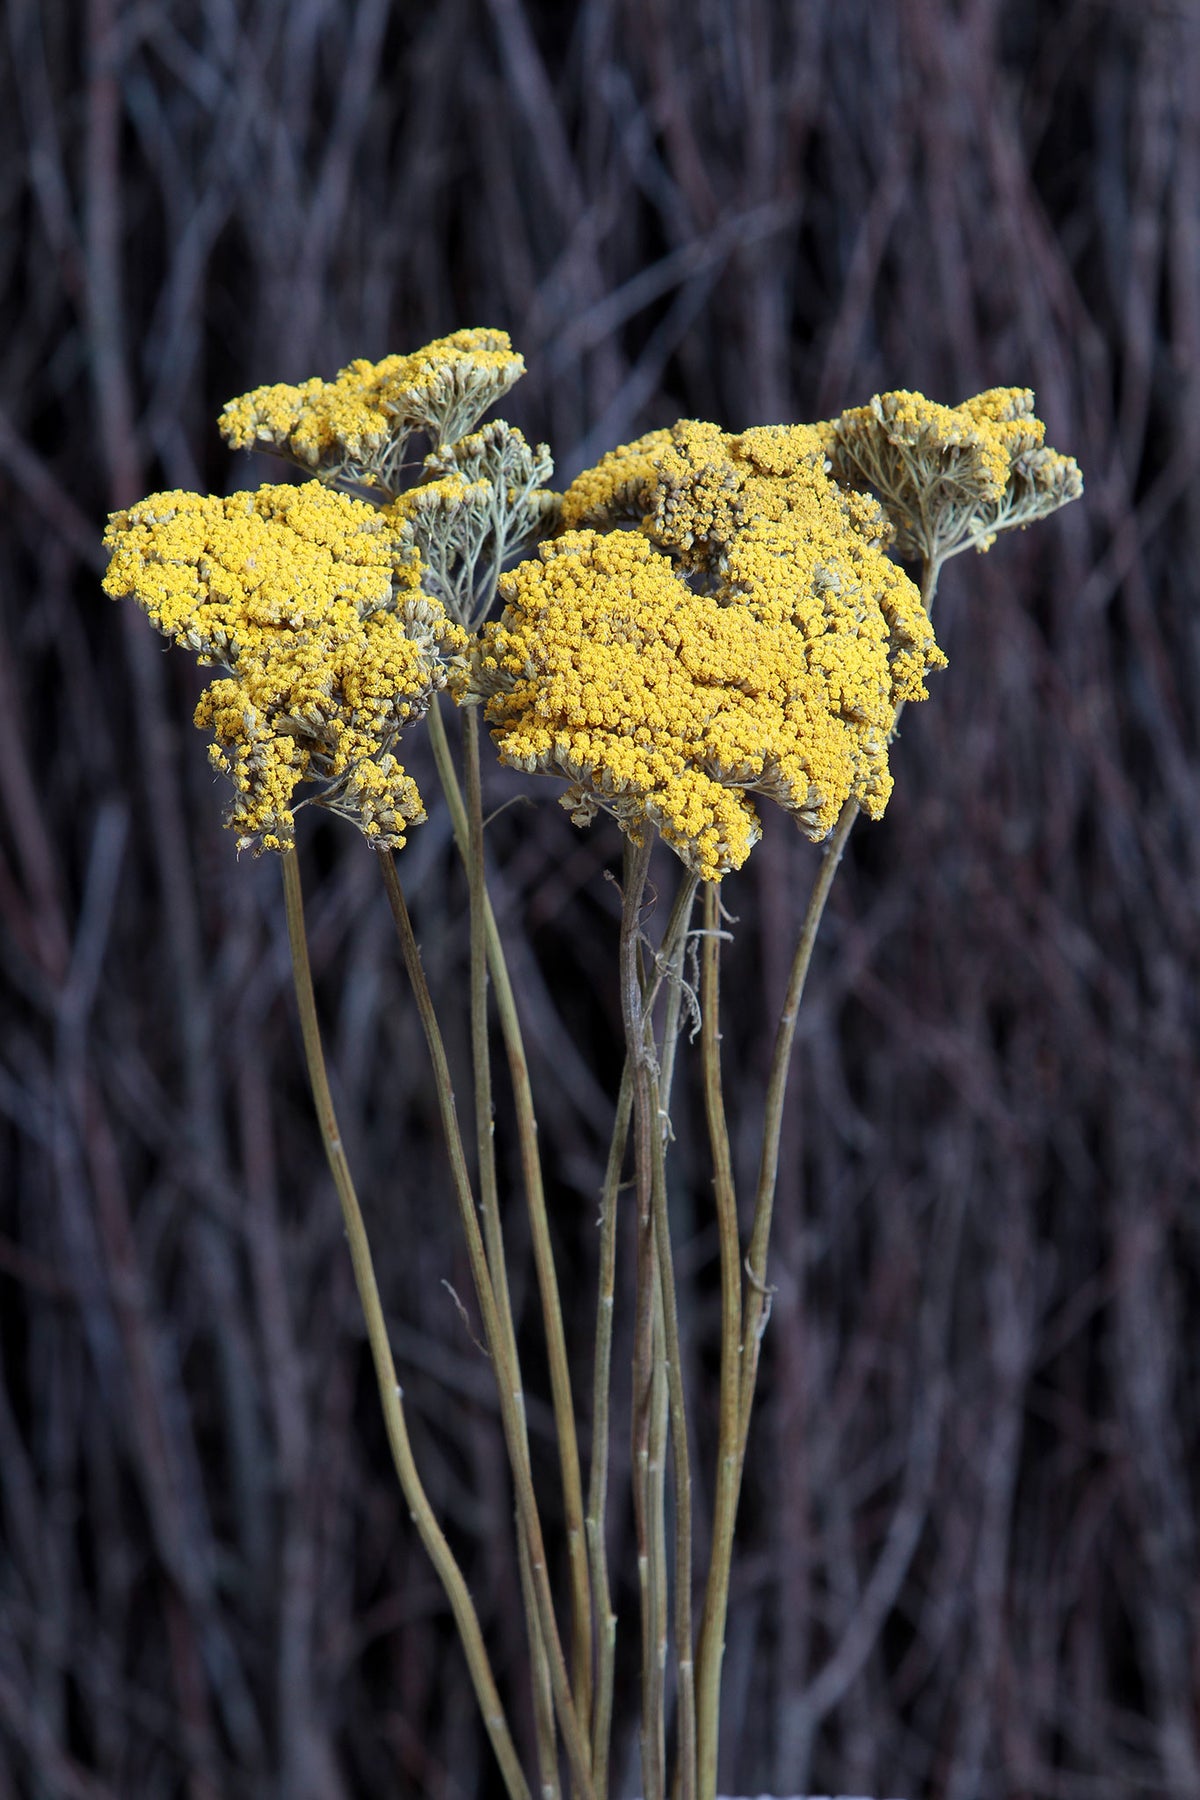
[[968, 1562]]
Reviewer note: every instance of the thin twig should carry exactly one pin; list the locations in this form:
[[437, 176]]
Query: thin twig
[[645, 1125], [539, 1224], [757, 1297], [606, 1619], [390, 1392], [667, 1327], [543, 1699], [716, 1597], [512, 1407], [758, 1294]]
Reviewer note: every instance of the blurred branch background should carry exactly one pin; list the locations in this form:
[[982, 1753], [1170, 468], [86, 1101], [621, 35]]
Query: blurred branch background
[[968, 1563]]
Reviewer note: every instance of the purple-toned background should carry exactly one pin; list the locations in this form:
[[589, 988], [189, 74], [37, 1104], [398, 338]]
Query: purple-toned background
[[968, 1561]]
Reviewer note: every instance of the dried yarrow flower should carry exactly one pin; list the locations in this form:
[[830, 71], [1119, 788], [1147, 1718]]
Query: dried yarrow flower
[[669, 701], [950, 477], [316, 611], [356, 428]]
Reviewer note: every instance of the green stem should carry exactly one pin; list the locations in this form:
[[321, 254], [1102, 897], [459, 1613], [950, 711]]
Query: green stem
[[736, 1406], [667, 967], [512, 1406], [606, 1618], [667, 1331], [716, 1597], [645, 1123], [390, 1392], [667, 1400], [656, 1482], [755, 1310], [754, 1315], [539, 1224], [543, 1699], [481, 1056]]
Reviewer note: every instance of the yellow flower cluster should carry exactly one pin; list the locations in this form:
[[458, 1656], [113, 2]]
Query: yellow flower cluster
[[750, 638], [306, 597], [951, 477], [356, 427], [718, 621]]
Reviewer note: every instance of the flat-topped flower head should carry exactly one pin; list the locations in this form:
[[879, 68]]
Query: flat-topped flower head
[[672, 707], [951, 477], [314, 608], [356, 427], [755, 516]]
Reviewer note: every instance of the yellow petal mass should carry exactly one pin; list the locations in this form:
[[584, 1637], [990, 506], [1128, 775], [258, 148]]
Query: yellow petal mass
[[670, 700]]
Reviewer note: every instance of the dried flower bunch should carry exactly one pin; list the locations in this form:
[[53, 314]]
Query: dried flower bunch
[[336, 619], [702, 620], [720, 620]]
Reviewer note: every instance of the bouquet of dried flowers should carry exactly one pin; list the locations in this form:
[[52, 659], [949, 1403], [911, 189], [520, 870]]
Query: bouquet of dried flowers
[[701, 621]]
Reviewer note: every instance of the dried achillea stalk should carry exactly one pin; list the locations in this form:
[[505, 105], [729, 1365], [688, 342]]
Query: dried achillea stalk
[[709, 618]]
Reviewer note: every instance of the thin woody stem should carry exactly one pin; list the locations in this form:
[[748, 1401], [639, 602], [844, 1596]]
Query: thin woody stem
[[669, 1404], [716, 1598], [647, 1523], [552, 1318], [735, 1412], [667, 1328], [485, 1159], [668, 1410], [390, 1392], [758, 1294], [543, 1699], [606, 1619], [512, 1410], [669, 968], [666, 967], [656, 1482], [481, 1058]]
